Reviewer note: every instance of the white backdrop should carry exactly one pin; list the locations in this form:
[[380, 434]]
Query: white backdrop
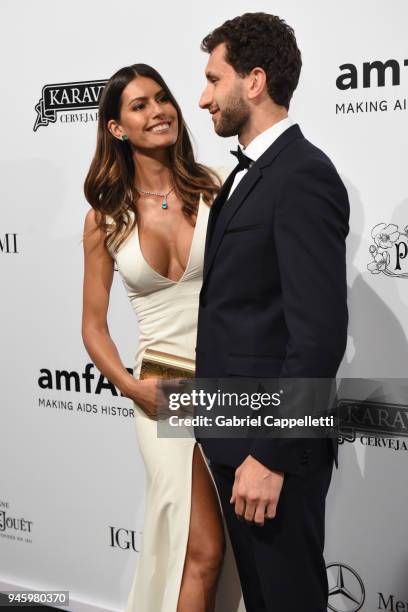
[[71, 478]]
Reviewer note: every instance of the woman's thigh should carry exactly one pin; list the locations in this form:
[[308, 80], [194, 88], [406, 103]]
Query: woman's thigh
[[206, 533]]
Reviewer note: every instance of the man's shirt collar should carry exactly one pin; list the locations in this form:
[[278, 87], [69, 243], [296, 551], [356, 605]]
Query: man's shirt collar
[[263, 141]]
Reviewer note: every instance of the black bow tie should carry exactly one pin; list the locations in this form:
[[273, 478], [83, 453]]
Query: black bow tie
[[244, 162]]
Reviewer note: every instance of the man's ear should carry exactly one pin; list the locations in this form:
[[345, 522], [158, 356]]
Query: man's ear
[[256, 83]]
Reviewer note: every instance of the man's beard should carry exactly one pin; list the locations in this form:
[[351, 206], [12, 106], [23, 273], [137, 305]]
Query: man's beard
[[232, 118]]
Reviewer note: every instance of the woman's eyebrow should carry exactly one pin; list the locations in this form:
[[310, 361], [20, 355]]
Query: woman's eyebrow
[[158, 93]]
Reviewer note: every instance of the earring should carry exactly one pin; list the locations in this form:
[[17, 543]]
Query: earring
[[125, 137]]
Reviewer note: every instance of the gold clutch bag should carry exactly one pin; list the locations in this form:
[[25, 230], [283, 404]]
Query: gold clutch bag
[[156, 364]]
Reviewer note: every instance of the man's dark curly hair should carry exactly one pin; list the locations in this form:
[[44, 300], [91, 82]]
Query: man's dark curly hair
[[264, 41]]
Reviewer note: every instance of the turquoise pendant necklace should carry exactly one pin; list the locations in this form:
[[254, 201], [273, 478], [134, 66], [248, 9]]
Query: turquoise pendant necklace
[[161, 195]]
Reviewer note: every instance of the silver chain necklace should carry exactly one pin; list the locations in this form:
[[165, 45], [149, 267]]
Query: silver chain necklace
[[161, 195]]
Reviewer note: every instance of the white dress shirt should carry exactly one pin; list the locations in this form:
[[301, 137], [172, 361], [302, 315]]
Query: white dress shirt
[[259, 144]]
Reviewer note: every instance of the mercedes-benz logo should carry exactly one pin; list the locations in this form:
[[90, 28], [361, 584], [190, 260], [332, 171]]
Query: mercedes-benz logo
[[346, 589]]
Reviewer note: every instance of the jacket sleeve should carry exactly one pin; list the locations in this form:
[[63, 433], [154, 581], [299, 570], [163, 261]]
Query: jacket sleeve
[[310, 229]]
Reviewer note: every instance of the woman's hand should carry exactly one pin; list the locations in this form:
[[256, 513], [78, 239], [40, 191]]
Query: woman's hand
[[150, 398]]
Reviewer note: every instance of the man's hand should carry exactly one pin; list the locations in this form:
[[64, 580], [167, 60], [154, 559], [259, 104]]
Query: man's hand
[[256, 491]]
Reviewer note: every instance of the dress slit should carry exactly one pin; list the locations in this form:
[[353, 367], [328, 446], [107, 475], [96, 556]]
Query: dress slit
[[187, 531], [159, 572]]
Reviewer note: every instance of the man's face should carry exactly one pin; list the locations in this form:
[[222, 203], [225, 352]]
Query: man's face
[[224, 95]]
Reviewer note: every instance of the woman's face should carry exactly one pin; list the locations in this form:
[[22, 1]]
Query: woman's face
[[147, 116]]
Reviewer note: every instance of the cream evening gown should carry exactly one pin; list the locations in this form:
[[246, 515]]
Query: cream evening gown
[[167, 317]]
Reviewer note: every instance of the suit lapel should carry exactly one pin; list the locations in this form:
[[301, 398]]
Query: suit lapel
[[225, 214], [222, 211], [214, 212]]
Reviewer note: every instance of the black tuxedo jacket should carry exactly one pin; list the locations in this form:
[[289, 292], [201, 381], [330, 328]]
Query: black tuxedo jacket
[[273, 300]]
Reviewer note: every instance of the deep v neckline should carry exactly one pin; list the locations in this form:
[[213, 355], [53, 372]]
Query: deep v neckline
[[166, 278]]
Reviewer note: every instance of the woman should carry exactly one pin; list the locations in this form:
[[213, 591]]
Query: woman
[[150, 202]]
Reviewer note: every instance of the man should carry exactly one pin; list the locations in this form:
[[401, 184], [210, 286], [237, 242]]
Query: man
[[273, 304]]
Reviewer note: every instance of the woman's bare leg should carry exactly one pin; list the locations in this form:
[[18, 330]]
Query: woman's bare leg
[[205, 548]]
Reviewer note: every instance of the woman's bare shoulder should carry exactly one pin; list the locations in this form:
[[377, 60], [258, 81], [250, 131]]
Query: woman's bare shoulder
[[91, 220], [94, 235]]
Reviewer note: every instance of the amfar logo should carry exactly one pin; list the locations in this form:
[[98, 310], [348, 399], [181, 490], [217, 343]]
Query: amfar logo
[[8, 243], [371, 74], [64, 380], [60, 97], [346, 589], [349, 79], [389, 250]]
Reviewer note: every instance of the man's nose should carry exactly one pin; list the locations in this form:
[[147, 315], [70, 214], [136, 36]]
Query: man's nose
[[205, 99]]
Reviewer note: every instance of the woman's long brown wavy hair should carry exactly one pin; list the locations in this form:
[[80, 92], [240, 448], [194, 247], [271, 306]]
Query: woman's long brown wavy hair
[[109, 185]]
